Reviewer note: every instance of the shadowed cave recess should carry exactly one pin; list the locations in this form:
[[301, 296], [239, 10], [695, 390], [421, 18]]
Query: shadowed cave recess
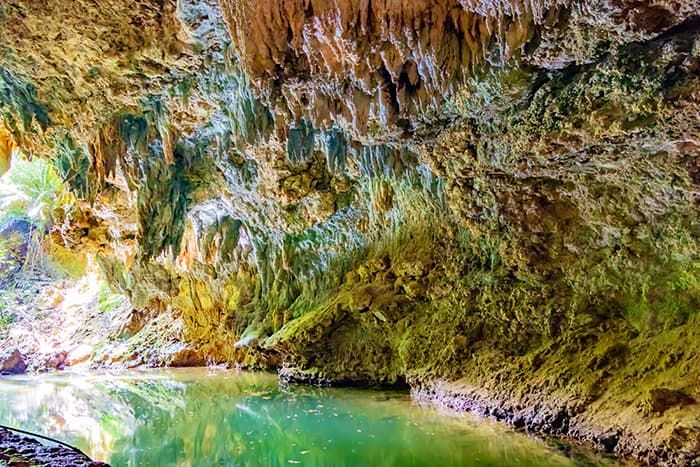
[[493, 201]]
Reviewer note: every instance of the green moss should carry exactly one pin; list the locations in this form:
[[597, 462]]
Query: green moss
[[107, 301], [300, 142], [73, 165], [423, 310], [18, 101], [162, 201]]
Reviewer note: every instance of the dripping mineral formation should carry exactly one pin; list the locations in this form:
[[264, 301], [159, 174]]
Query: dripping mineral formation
[[495, 202]]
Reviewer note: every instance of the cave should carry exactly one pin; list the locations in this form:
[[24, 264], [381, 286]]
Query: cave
[[485, 208]]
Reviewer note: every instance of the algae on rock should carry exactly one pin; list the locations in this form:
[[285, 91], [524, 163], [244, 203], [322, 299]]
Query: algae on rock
[[494, 201]]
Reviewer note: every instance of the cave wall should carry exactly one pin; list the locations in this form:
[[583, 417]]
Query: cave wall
[[499, 193], [373, 67]]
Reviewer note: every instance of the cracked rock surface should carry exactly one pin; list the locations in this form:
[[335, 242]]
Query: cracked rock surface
[[495, 201]]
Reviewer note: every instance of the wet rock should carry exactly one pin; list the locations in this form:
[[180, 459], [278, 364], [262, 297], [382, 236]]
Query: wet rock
[[12, 363], [292, 375], [188, 357], [136, 322], [51, 362], [609, 441], [543, 416], [80, 354], [19, 450], [412, 53]]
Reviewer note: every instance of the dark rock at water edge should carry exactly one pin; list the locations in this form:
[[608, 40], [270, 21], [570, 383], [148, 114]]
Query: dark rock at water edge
[[12, 362], [20, 450]]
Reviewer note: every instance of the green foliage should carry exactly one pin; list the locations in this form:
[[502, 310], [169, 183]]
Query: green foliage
[[7, 316], [35, 192], [10, 258], [32, 199], [73, 165], [107, 301], [163, 198]]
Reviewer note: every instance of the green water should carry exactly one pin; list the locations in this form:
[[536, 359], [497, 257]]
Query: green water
[[212, 418]]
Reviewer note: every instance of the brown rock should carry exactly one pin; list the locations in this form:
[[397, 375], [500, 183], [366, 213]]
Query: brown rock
[[411, 52], [50, 361], [136, 322], [80, 354], [188, 357], [662, 399], [26, 451], [12, 363]]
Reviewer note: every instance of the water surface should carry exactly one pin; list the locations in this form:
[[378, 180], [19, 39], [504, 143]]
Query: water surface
[[200, 417]]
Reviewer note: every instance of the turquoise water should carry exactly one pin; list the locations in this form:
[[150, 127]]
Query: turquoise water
[[200, 417]]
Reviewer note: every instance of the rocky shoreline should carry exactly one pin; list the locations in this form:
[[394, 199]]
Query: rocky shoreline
[[543, 415], [630, 397], [496, 201], [557, 418], [17, 450]]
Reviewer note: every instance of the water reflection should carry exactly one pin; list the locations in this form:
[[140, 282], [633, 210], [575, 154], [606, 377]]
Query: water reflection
[[202, 418]]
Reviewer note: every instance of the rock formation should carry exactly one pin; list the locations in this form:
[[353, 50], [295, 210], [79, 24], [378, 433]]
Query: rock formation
[[494, 201], [12, 362]]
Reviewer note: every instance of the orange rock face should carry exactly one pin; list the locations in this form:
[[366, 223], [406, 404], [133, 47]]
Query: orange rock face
[[359, 61], [365, 64], [7, 145]]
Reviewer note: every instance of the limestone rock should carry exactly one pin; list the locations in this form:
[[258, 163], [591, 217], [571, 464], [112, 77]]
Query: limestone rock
[[503, 193], [81, 354], [12, 362], [55, 361], [187, 357]]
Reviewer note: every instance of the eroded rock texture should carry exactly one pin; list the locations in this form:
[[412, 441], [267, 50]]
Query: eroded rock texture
[[372, 66], [496, 201]]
